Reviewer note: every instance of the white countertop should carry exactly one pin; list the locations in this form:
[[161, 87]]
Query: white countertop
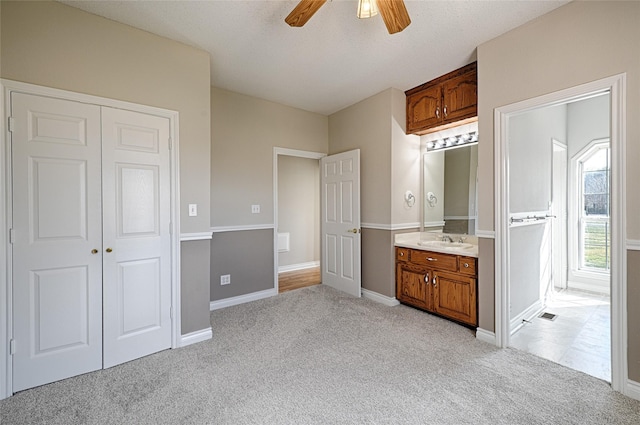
[[429, 241]]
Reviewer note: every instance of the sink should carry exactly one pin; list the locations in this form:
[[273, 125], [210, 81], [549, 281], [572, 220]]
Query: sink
[[446, 244]]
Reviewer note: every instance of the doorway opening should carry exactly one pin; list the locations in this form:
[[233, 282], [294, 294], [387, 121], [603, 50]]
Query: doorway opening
[[297, 219], [536, 139]]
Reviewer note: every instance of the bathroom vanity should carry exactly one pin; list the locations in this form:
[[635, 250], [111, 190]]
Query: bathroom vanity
[[438, 275]]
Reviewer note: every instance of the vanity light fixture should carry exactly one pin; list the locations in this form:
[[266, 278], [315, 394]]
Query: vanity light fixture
[[452, 142], [367, 9]]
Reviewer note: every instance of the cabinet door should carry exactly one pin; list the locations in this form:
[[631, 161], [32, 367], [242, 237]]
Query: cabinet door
[[460, 97], [411, 285], [424, 109], [454, 296]]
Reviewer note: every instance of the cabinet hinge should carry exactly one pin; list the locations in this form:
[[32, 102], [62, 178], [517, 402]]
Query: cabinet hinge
[[12, 347], [170, 143], [12, 123]]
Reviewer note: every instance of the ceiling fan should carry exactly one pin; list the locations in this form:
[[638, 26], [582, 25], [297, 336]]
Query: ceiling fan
[[394, 13]]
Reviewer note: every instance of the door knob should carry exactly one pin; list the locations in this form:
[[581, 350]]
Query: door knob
[[94, 251], [108, 249], [353, 231]]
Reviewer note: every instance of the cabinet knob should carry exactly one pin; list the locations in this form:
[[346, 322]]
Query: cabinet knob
[[466, 265], [438, 112], [426, 278], [402, 254], [435, 281], [431, 259], [445, 111]]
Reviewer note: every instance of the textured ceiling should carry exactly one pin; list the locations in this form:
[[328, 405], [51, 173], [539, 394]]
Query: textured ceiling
[[336, 59]]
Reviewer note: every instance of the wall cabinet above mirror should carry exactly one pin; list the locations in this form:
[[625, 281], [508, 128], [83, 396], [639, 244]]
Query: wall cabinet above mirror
[[449, 100]]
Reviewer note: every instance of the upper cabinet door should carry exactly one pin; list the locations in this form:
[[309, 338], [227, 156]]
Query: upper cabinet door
[[424, 108], [445, 102], [460, 97]]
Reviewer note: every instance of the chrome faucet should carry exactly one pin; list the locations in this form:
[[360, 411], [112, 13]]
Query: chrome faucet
[[447, 238], [462, 239]]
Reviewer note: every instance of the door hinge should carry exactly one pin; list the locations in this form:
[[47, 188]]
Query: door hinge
[[171, 313], [12, 347], [170, 143], [12, 123], [12, 236], [170, 228]]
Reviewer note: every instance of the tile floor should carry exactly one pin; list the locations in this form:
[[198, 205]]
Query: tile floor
[[579, 337]]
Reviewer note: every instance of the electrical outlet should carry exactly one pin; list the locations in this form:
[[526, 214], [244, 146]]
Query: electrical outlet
[[225, 279], [255, 209], [193, 210]]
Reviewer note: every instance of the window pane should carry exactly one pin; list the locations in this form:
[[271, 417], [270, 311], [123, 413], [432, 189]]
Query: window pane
[[596, 244], [595, 234]]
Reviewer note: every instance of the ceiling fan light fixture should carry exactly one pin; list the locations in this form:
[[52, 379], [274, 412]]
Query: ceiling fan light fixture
[[367, 9]]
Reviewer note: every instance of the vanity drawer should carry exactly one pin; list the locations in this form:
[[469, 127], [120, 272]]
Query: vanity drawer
[[435, 260], [468, 266], [402, 254]]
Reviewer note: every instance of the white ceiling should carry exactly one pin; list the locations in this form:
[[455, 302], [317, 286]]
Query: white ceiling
[[336, 59]]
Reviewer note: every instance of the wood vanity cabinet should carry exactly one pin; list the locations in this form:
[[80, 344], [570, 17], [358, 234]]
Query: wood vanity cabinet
[[437, 104], [439, 283]]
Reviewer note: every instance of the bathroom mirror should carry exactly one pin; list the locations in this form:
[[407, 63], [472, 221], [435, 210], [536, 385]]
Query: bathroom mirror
[[449, 190]]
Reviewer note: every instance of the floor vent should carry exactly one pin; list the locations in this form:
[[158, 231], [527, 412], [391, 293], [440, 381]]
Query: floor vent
[[548, 316]]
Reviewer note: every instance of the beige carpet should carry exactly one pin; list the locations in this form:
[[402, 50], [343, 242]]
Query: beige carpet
[[316, 356]]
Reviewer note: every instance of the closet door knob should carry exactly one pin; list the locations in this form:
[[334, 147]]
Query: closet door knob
[[108, 249], [94, 251]]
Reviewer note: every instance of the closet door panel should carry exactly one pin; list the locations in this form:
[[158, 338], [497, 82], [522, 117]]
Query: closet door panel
[[137, 273], [57, 236]]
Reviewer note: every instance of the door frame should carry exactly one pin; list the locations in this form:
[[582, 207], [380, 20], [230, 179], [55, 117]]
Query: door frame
[[298, 154], [9, 86], [616, 86]]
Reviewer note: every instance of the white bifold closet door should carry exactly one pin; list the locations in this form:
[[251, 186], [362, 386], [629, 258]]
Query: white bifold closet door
[[136, 208], [90, 238]]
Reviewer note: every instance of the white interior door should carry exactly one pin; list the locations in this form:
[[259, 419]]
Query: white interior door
[[56, 240], [559, 210], [137, 243], [341, 241]]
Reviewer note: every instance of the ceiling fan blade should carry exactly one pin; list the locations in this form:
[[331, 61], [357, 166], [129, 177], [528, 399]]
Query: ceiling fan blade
[[394, 14], [303, 12]]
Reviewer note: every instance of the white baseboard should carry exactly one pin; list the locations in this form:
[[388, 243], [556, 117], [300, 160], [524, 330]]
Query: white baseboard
[[633, 389], [299, 266], [241, 299], [534, 309], [486, 336], [196, 336], [379, 298]]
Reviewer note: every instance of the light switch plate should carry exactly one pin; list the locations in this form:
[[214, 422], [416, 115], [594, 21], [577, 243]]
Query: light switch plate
[[255, 209], [193, 210]]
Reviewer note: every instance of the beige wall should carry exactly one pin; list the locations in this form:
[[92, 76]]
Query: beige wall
[[244, 131], [405, 165], [367, 126], [575, 44], [53, 45], [389, 166]]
